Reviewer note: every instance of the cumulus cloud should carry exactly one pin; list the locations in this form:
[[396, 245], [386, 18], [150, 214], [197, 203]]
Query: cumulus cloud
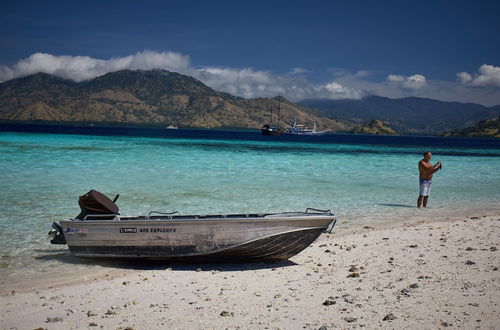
[[397, 86], [334, 90], [298, 71], [80, 68], [393, 77], [416, 81], [251, 83], [464, 77], [6, 73], [489, 75], [244, 82]]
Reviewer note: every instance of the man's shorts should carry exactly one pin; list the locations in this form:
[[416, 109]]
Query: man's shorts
[[425, 187]]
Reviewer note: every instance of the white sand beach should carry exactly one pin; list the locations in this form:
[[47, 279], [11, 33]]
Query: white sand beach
[[425, 275]]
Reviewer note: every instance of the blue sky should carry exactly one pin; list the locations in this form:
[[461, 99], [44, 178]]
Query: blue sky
[[448, 50]]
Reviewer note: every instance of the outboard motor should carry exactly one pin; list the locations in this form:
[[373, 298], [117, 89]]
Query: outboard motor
[[57, 234], [95, 202], [92, 202]]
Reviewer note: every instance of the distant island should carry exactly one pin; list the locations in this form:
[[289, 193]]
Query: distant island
[[374, 127], [489, 128], [161, 98]]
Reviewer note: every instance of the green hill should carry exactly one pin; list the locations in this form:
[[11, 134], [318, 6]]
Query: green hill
[[489, 128], [374, 127]]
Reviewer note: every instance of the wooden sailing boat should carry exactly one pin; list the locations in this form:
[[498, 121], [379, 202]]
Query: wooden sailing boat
[[270, 129]]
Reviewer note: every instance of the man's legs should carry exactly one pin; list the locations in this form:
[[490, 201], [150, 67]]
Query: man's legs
[[425, 189]]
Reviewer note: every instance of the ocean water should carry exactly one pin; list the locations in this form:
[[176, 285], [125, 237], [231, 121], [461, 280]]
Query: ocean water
[[362, 179]]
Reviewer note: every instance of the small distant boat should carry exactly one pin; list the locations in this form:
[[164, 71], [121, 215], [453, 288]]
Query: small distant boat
[[171, 127], [271, 130], [298, 129], [99, 231]]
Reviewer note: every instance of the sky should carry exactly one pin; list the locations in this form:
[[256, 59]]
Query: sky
[[445, 50]]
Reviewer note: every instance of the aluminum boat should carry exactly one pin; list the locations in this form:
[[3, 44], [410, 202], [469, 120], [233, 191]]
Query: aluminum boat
[[100, 231]]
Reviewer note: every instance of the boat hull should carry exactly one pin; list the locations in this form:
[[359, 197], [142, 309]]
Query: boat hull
[[219, 239], [276, 247], [272, 131], [317, 133]]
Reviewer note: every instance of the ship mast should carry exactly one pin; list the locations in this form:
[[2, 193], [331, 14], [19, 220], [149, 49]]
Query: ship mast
[[279, 104], [271, 112]]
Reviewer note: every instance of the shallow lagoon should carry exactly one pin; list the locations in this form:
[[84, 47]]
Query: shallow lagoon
[[362, 179]]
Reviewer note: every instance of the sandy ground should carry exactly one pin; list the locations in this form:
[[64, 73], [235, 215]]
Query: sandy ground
[[406, 276]]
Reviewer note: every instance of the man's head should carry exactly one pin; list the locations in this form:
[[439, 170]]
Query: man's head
[[427, 156]]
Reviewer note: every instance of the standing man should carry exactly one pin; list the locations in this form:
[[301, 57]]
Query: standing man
[[426, 170]]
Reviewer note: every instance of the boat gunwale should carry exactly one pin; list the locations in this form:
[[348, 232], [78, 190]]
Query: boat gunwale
[[292, 216]]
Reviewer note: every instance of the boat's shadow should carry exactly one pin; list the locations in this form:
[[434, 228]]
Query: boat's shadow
[[65, 257]]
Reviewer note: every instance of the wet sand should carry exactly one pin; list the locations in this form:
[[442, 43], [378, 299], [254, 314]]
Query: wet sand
[[408, 275]]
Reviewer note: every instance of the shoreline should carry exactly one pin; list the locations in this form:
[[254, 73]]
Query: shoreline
[[54, 265], [425, 273], [95, 269]]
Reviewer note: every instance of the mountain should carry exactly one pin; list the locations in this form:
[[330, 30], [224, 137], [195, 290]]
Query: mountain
[[406, 115], [155, 97], [489, 128], [374, 127], [162, 98]]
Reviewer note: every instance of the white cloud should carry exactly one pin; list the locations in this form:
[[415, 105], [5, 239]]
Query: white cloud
[[245, 82], [232, 76], [416, 81], [489, 75], [6, 73], [337, 91], [393, 87], [298, 71], [362, 73], [393, 77], [80, 68], [464, 77], [251, 83]]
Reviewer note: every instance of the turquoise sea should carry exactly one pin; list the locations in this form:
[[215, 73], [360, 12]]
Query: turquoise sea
[[363, 180]]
